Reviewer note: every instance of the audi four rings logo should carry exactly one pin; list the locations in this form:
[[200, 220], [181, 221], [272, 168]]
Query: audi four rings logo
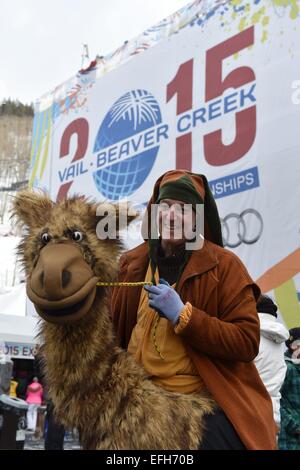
[[245, 227]]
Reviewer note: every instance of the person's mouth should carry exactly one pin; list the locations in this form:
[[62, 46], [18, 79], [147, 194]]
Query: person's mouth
[[172, 227]]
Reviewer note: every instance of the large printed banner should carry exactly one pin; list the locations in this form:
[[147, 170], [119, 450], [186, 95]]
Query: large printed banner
[[212, 89]]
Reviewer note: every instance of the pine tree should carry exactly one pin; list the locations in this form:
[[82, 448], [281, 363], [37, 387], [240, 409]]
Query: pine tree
[[15, 108]]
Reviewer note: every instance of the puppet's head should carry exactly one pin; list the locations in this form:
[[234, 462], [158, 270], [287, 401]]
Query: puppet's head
[[62, 254]]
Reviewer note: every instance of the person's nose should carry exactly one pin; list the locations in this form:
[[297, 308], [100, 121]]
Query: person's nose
[[171, 216]]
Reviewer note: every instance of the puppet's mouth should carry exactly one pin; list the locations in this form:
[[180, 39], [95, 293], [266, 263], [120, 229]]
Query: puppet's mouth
[[66, 310]]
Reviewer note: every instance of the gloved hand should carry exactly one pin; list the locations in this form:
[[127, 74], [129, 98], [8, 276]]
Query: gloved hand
[[165, 300]]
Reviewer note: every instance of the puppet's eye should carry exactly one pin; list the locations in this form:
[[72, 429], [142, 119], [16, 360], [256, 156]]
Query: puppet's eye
[[45, 238], [77, 236]]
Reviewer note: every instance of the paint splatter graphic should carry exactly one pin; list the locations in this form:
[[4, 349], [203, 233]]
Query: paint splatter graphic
[[237, 15]]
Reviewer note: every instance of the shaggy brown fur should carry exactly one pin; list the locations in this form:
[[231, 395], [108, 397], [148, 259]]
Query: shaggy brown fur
[[96, 386]]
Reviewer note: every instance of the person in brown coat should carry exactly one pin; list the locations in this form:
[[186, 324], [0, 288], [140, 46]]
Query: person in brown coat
[[197, 326]]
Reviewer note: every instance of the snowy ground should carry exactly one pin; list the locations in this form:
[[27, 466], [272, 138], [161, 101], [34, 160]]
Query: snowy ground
[[31, 443]]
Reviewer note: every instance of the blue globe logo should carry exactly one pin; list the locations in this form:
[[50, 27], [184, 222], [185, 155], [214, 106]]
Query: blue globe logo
[[132, 113]]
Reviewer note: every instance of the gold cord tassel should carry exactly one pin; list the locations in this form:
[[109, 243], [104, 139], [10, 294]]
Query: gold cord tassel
[[154, 338]]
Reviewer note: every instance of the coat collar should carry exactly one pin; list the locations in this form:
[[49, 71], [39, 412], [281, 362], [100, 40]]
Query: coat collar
[[201, 261]]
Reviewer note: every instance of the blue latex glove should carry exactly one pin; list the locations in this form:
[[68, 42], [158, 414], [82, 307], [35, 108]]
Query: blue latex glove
[[165, 300]]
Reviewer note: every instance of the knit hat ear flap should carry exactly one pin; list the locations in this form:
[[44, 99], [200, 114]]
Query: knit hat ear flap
[[212, 219], [146, 222]]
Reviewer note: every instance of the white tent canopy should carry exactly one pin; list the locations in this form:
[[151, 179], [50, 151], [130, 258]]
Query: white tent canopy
[[13, 301], [16, 329], [18, 336]]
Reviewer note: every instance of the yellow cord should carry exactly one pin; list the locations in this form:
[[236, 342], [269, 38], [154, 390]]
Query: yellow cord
[[134, 284], [154, 338], [127, 284]]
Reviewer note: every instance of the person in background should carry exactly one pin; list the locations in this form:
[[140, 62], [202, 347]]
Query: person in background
[[289, 436], [34, 395], [270, 361], [23, 382], [13, 388], [55, 433]]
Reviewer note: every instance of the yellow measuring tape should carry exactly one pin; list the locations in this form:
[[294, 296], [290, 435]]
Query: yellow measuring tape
[[127, 284]]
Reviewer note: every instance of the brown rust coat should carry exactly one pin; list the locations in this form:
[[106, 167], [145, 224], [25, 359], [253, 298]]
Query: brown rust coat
[[222, 336]]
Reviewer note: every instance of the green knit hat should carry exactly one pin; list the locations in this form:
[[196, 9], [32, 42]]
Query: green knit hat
[[182, 189]]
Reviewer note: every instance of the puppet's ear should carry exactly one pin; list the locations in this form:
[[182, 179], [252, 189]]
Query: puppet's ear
[[125, 214], [31, 208], [112, 217]]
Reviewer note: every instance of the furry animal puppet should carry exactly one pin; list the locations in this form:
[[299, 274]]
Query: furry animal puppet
[[95, 386]]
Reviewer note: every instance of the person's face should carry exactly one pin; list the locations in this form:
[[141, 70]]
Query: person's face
[[176, 221], [295, 347]]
